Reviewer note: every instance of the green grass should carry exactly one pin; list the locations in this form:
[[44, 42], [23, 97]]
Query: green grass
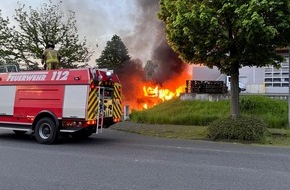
[[179, 112], [197, 112], [189, 119], [273, 111], [167, 131], [275, 137]]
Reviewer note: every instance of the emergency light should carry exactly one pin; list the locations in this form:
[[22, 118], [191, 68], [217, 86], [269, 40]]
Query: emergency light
[[109, 74]]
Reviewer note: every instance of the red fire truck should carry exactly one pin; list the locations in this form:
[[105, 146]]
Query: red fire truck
[[76, 101]]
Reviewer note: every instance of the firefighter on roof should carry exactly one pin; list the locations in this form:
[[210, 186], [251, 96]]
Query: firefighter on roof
[[50, 57]]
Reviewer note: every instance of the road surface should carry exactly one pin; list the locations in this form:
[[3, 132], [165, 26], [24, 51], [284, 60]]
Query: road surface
[[116, 160]]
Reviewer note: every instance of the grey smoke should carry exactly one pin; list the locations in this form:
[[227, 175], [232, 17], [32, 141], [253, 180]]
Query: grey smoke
[[150, 34], [99, 20], [136, 22]]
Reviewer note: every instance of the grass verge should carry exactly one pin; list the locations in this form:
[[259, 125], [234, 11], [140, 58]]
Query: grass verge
[[201, 113], [275, 137], [189, 119], [167, 131]]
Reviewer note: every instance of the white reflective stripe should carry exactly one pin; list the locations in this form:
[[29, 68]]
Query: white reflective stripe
[[7, 100], [67, 130], [75, 101], [18, 129], [29, 73], [14, 123]]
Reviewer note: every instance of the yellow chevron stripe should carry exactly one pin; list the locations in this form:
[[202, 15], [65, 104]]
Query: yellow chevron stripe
[[92, 109], [117, 108], [117, 93], [117, 112], [92, 103]]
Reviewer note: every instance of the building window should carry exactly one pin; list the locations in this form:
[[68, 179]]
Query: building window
[[277, 77], [276, 84]]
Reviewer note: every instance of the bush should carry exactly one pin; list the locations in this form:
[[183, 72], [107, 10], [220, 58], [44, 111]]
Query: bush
[[242, 129]]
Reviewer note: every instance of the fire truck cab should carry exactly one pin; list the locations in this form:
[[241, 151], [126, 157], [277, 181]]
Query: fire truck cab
[[75, 101]]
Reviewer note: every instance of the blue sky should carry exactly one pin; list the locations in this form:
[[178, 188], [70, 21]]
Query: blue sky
[[97, 20]]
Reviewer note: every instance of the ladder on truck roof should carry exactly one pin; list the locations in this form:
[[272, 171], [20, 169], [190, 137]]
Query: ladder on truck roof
[[101, 109]]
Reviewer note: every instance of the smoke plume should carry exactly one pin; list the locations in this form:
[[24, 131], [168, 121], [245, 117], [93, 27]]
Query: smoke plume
[[136, 22], [149, 40]]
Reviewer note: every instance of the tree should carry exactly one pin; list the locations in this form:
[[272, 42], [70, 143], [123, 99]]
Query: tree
[[38, 27], [114, 56], [5, 39], [228, 34]]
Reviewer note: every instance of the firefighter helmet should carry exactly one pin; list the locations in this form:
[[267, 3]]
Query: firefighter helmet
[[50, 45]]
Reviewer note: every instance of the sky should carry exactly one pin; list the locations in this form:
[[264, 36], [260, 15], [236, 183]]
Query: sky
[[135, 21]]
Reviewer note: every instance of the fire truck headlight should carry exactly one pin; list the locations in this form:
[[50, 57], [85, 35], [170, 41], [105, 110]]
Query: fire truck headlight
[[108, 73]]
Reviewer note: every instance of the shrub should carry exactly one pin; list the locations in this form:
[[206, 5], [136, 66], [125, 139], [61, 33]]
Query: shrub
[[242, 129], [248, 105]]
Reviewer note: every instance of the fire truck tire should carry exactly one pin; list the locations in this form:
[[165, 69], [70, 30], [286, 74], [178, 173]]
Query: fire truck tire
[[45, 131]]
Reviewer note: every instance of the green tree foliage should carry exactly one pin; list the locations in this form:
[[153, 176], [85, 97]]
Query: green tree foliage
[[5, 40], [26, 41], [228, 34], [115, 55]]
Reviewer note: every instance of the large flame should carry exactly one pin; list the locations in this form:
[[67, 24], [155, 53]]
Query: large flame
[[142, 94], [154, 94], [163, 94]]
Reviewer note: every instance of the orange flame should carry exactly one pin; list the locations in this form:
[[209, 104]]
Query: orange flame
[[161, 94], [146, 94]]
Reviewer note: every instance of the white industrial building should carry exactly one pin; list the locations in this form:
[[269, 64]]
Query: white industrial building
[[266, 80]]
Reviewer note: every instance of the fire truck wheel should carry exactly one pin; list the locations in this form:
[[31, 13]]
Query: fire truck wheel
[[45, 131]]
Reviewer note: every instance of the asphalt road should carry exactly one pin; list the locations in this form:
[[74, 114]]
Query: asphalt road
[[117, 160]]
